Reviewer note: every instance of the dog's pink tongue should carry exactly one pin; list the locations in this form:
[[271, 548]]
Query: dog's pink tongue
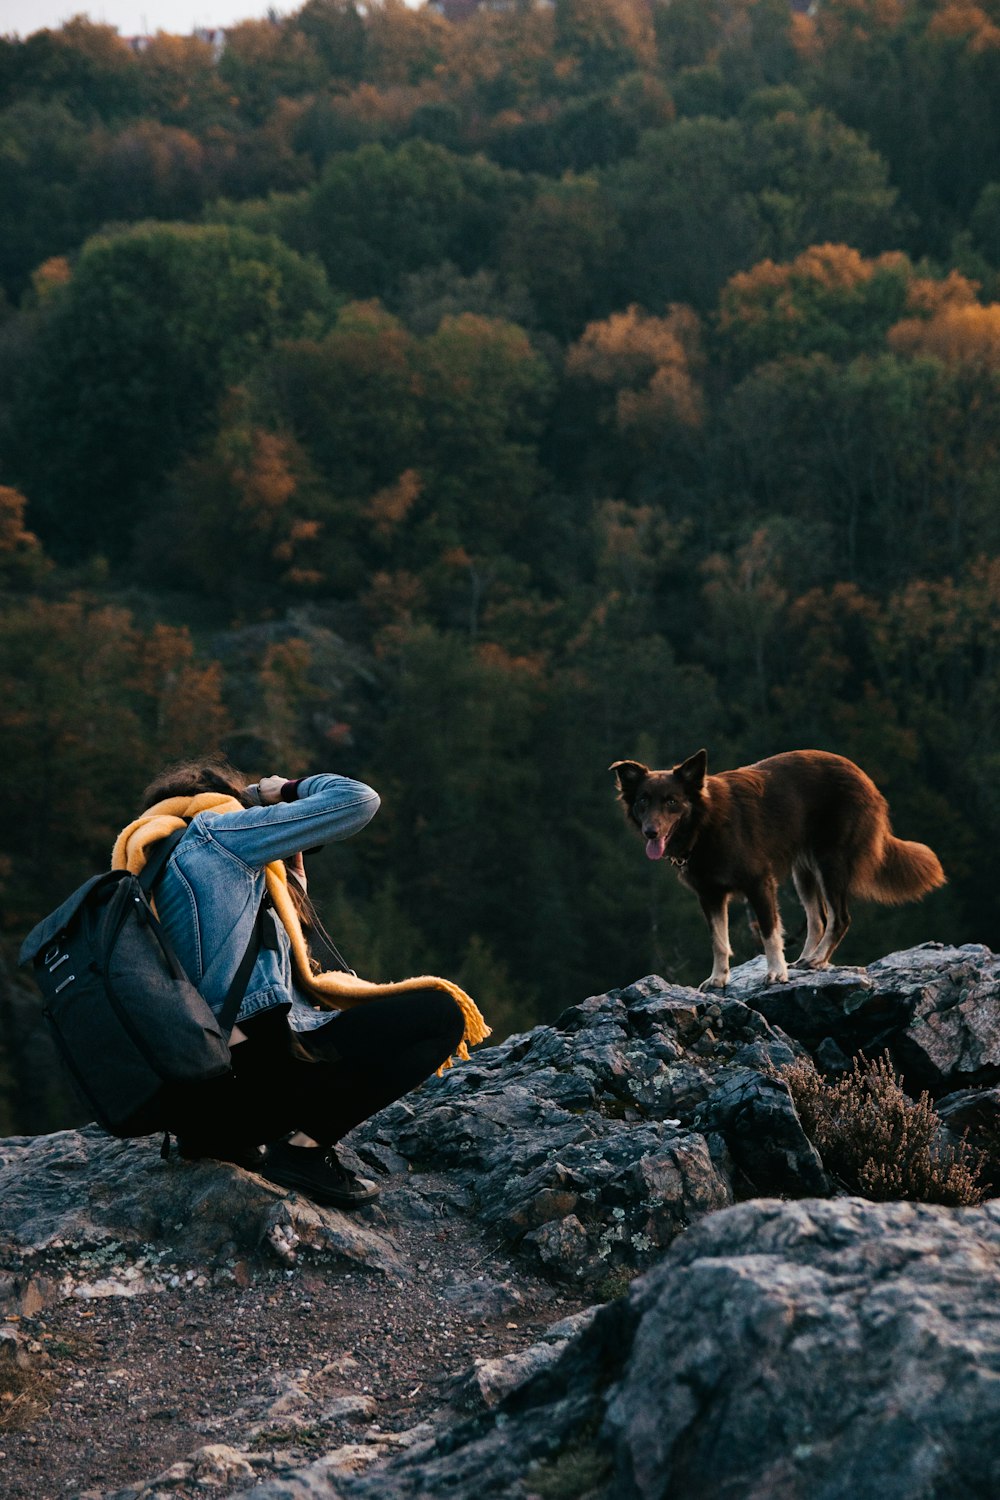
[[656, 848]]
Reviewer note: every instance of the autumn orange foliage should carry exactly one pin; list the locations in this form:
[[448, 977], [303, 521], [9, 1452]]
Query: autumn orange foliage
[[960, 18], [648, 361], [834, 300], [265, 482], [390, 506], [16, 541], [770, 289], [51, 274], [958, 335]]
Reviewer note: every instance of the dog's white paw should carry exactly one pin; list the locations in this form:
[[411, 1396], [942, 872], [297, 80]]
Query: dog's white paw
[[713, 982], [777, 976]]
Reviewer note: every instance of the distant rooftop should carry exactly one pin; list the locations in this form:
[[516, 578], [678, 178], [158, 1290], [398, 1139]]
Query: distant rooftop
[[460, 10]]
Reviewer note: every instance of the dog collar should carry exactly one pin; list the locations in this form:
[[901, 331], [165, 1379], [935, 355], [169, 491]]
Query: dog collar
[[680, 858]]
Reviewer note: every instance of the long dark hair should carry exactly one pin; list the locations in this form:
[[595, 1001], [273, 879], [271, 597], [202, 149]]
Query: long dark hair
[[319, 943], [186, 778]]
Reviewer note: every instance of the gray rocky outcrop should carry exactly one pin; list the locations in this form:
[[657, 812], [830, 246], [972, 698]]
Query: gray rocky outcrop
[[588, 1141], [834, 1348], [85, 1215], [588, 1144], [813, 1350], [933, 1008], [818, 1346], [808, 1351], [593, 1141]]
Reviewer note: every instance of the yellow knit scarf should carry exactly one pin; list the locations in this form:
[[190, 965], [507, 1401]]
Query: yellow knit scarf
[[331, 990]]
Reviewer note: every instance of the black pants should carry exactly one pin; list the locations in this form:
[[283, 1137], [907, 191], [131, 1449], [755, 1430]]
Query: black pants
[[359, 1062]]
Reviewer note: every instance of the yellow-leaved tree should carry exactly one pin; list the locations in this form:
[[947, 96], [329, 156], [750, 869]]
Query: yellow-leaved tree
[[646, 366]]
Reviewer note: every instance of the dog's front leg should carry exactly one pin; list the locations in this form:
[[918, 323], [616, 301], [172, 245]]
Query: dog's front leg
[[716, 909], [763, 897]]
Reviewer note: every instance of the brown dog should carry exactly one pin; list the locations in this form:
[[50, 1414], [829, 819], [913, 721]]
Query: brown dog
[[814, 816]]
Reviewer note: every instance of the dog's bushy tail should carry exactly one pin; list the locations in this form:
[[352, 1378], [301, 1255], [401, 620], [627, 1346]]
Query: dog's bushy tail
[[904, 872]]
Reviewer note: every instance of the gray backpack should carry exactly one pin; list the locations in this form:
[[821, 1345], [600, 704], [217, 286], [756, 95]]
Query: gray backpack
[[129, 1025]]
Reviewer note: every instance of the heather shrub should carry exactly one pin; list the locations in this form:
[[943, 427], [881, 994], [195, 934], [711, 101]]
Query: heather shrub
[[877, 1141]]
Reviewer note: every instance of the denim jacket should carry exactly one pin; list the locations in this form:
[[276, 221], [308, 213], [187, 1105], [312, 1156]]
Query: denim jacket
[[208, 895]]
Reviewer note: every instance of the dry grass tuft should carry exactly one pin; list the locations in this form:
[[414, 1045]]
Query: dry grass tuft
[[23, 1398], [880, 1143]]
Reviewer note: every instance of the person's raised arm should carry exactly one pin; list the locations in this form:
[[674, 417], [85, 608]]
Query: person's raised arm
[[293, 815]]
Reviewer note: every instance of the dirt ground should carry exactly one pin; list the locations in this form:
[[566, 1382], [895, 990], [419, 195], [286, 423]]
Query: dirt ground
[[128, 1386]]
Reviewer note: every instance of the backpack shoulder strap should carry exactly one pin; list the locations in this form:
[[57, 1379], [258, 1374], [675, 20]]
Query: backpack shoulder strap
[[238, 988], [148, 876], [157, 860]]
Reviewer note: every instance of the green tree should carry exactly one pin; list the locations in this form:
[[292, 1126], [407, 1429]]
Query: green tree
[[91, 705], [920, 82], [679, 245], [601, 39], [266, 61], [897, 455], [132, 359], [43, 150], [86, 68], [181, 83], [585, 131], [377, 214], [423, 445], [352, 398], [563, 247], [819, 181], [247, 497], [427, 296], [620, 914], [337, 32], [766, 187], [984, 224], [147, 171], [485, 395], [458, 766], [686, 32]]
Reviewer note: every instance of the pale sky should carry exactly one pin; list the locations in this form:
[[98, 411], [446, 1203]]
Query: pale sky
[[138, 17]]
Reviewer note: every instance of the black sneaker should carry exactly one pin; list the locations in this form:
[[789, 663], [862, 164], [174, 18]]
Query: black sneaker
[[318, 1174], [250, 1158]]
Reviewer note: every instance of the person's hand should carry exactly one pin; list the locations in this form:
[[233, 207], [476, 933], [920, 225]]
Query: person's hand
[[269, 789]]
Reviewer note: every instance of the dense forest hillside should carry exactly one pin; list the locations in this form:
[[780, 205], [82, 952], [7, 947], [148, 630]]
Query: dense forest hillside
[[464, 404]]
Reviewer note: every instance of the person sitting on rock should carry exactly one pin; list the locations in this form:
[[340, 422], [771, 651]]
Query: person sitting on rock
[[313, 1053]]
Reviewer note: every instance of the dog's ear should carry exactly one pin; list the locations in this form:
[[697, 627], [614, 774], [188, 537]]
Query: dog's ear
[[629, 773], [693, 771]]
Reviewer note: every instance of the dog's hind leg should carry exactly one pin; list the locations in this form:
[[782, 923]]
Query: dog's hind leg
[[810, 893], [834, 883], [715, 905]]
